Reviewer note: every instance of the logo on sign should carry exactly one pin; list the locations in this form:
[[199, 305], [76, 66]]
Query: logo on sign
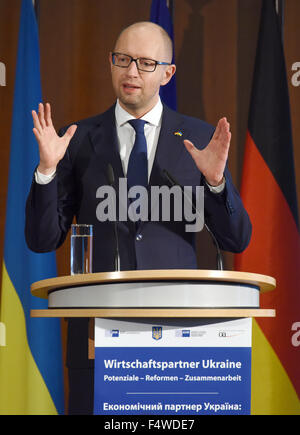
[[296, 76], [156, 332], [230, 334], [115, 333]]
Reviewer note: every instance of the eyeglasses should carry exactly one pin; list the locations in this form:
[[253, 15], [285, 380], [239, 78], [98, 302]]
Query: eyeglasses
[[142, 64]]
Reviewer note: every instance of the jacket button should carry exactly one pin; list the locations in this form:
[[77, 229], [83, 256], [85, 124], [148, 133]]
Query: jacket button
[[138, 237]]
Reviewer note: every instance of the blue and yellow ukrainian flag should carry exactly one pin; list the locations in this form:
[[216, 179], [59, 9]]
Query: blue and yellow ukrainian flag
[[31, 374]]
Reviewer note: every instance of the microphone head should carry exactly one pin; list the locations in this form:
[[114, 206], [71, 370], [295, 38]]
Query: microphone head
[[110, 175]]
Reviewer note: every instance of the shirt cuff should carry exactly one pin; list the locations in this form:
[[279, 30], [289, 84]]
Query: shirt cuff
[[217, 189], [42, 178]]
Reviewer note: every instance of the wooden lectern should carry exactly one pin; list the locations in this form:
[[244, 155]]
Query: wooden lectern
[[161, 295]]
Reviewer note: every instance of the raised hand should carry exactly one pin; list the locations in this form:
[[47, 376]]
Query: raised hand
[[52, 148], [212, 159]]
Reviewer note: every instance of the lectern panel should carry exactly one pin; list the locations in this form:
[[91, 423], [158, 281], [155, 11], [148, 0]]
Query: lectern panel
[[157, 294]]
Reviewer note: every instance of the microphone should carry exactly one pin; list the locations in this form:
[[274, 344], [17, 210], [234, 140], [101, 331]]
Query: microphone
[[173, 182], [111, 181]]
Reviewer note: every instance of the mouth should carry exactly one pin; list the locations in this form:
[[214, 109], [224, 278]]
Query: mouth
[[129, 88]]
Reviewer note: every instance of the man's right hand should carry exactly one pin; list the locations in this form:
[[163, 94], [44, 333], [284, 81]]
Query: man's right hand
[[52, 148]]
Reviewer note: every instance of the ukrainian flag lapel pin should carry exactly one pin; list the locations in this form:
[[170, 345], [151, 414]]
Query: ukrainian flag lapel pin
[[178, 133]]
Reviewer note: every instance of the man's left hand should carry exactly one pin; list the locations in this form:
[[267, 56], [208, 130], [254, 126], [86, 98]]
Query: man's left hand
[[212, 159]]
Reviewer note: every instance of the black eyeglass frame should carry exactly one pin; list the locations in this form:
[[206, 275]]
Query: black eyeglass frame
[[157, 62]]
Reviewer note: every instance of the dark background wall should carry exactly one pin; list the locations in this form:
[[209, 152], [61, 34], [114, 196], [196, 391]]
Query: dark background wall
[[215, 43]]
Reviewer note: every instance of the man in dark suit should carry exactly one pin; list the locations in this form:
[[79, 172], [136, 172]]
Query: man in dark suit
[[73, 165]]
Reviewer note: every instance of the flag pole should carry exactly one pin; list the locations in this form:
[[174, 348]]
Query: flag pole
[[170, 4], [36, 5], [280, 5]]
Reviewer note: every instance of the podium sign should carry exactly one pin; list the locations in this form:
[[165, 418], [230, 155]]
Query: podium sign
[[199, 366], [196, 362]]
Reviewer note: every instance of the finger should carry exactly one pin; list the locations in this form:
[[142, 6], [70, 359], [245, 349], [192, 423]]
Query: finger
[[225, 126], [37, 134], [36, 121], [222, 132], [222, 125], [228, 139], [225, 132], [70, 133], [219, 128], [42, 115], [191, 148], [48, 115]]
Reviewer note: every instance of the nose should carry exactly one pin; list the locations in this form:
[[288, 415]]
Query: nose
[[132, 69]]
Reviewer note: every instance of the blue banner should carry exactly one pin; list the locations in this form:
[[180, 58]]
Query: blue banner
[[138, 370]]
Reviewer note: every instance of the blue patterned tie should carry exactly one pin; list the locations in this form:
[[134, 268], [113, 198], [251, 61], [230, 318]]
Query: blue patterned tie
[[137, 172]]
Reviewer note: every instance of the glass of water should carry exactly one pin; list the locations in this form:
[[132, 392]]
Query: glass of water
[[81, 249]]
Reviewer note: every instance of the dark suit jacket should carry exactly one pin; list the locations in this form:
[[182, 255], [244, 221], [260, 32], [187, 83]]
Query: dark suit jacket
[[160, 245]]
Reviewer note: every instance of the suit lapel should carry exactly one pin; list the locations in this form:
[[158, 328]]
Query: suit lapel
[[169, 147], [105, 143]]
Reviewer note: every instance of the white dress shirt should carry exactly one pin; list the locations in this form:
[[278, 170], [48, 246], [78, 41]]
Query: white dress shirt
[[126, 133]]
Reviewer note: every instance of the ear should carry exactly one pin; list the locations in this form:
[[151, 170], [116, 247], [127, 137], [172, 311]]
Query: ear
[[111, 63], [168, 74], [110, 59]]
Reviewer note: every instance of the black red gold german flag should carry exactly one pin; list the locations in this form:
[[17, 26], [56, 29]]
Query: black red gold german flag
[[269, 195]]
